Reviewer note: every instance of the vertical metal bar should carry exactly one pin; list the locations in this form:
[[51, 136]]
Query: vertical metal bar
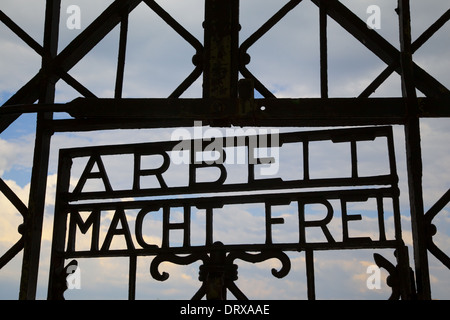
[[33, 227], [187, 226], [209, 226], [59, 227], [132, 278], [309, 258], [221, 58], [380, 210], [406, 287], [306, 160], [414, 155], [122, 54], [354, 155], [323, 49]]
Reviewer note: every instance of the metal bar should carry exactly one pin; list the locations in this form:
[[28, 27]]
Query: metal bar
[[275, 109], [11, 253], [132, 278], [70, 56], [427, 34], [14, 199], [383, 49], [241, 199], [438, 206], [277, 112], [292, 247], [92, 114], [309, 259], [323, 50], [71, 81], [244, 58], [424, 37], [429, 216], [193, 41], [379, 80], [23, 210], [414, 155], [269, 24], [33, 226], [186, 35], [195, 74], [354, 159], [221, 58], [121, 57], [59, 228], [21, 33]]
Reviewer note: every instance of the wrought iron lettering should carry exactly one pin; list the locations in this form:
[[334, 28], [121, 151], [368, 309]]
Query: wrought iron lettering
[[130, 219]]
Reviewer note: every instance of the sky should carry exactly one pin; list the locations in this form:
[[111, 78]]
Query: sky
[[286, 60]]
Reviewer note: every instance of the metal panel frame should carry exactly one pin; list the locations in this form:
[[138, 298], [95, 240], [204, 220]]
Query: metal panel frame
[[226, 101]]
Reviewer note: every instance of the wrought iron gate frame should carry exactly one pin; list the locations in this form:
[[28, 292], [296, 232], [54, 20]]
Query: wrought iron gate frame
[[224, 103]]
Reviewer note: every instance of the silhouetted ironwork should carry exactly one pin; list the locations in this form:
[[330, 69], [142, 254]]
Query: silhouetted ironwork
[[226, 101]]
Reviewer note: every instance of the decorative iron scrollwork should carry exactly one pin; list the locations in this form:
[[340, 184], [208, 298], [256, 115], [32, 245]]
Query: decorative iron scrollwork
[[431, 229], [60, 285], [397, 279], [392, 280], [218, 271], [169, 257], [263, 256]]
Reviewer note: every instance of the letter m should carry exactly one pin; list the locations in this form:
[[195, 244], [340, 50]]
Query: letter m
[[76, 220]]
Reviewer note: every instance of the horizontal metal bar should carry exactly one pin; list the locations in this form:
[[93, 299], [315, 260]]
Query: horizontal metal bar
[[70, 56], [335, 135], [294, 247], [218, 201], [258, 185], [102, 114], [263, 109]]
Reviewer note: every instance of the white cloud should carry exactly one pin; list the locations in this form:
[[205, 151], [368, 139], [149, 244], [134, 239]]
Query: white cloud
[[157, 61], [10, 219], [16, 154]]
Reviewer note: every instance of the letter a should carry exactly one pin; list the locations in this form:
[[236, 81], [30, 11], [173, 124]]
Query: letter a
[[374, 280], [374, 20], [88, 174], [74, 20]]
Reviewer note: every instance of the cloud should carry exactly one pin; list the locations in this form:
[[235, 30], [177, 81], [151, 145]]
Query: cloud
[[10, 219], [287, 62], [16, 154]]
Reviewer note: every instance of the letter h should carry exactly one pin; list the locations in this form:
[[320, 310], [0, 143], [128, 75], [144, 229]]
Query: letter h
[[167, 226]]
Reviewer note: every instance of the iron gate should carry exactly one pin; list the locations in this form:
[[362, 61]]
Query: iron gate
[[225, 102]]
